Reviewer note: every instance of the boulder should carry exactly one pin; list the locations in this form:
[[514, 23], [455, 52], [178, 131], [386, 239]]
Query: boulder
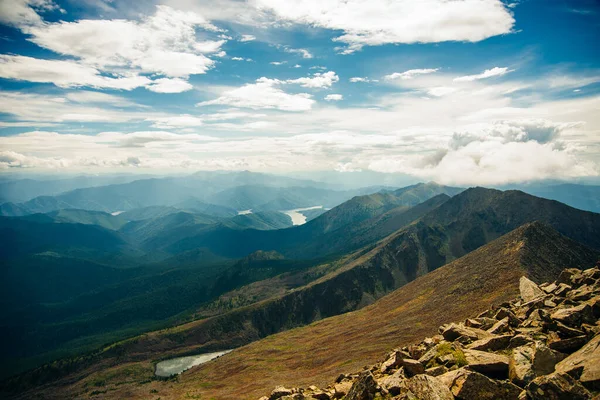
[[341, 389], [584, 364], [568, 345], [574, 316], [549, 288], [412, 367], [506, 313], [568, 275], [530, 361], [499, 327], [520, 340], [490, 364], [436, 371], [562, 290], [364, 387], [468, 385], [493, 343], [557, 386], [392, 362], [529, 289], [426, 387], [454, 331], [279, 392], [393, 383]]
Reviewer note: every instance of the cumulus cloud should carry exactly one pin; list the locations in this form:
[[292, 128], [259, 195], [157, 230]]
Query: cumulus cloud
[[318, 80], [277, 62], [179, 121], [334, 97], [499, 153], [378, 22], [357, 79], [410, 74], [264, 93], [241, 59], [169, 85], [112, 53], [488, 73]]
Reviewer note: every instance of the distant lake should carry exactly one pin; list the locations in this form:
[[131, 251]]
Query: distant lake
[[297, 217], [177, 365]]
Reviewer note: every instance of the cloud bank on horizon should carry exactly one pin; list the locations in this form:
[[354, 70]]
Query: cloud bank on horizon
[[461, 92]]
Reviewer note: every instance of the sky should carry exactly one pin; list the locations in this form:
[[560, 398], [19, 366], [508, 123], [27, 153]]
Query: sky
[[467, 92]]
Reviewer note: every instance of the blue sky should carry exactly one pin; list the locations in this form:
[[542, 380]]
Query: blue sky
[[462, 92]]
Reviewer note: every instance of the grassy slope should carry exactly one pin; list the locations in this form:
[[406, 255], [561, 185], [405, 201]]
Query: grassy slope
[[316, 353]]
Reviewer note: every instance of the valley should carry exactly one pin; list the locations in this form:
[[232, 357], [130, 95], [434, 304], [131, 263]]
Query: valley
[[169, 285]]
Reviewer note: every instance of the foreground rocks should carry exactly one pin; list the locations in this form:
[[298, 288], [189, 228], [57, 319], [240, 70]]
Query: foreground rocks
[[543, 345]]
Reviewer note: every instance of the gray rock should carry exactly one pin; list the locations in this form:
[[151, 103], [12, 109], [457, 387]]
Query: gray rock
[[426, 387], [500, 327], [279, 392], [557, 386], [393, 383], [490, 364], [364, 387], [529, 289], [574, 316], [436, 371], [568, 345], [468, 385], [584, 364], [454, 331], [493, 343], [412, 367]]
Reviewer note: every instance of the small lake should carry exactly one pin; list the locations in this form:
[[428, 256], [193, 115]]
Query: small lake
[[177, 365], [297, 217]]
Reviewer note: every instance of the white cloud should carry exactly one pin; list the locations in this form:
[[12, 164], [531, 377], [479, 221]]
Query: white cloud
[[410, 74], [334, 97], [277, 62], [319, 80], [488, 73], [303, 52], [241, 59], [169, 85], [179, 121], [164, 43], [85, 96], [247, 38], [24, 12], [440, 91], [297, 66], [64, 73], [378, 22], [265, 93], [357, 79]]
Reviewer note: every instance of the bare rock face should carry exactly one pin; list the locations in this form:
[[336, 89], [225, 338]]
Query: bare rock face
[[529, 289], [364, 387], [426, 387], [467, 385], [584, 364], [557, 386]]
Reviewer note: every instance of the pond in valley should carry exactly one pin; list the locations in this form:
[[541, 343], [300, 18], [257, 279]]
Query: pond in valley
[[177, 365]]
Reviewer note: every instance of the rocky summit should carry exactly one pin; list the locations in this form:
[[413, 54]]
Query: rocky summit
[[544, 345]]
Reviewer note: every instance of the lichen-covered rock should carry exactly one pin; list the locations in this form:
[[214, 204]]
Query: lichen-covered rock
[[393, 383], [364, 387], [426, 387], [584, 364], [499, 327], [557, 386], [436, 371]]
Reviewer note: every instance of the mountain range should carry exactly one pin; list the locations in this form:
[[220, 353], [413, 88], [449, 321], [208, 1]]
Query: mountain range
[[174, 276]]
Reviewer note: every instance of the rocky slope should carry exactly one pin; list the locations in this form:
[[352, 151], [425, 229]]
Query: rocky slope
[[543, 345]]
